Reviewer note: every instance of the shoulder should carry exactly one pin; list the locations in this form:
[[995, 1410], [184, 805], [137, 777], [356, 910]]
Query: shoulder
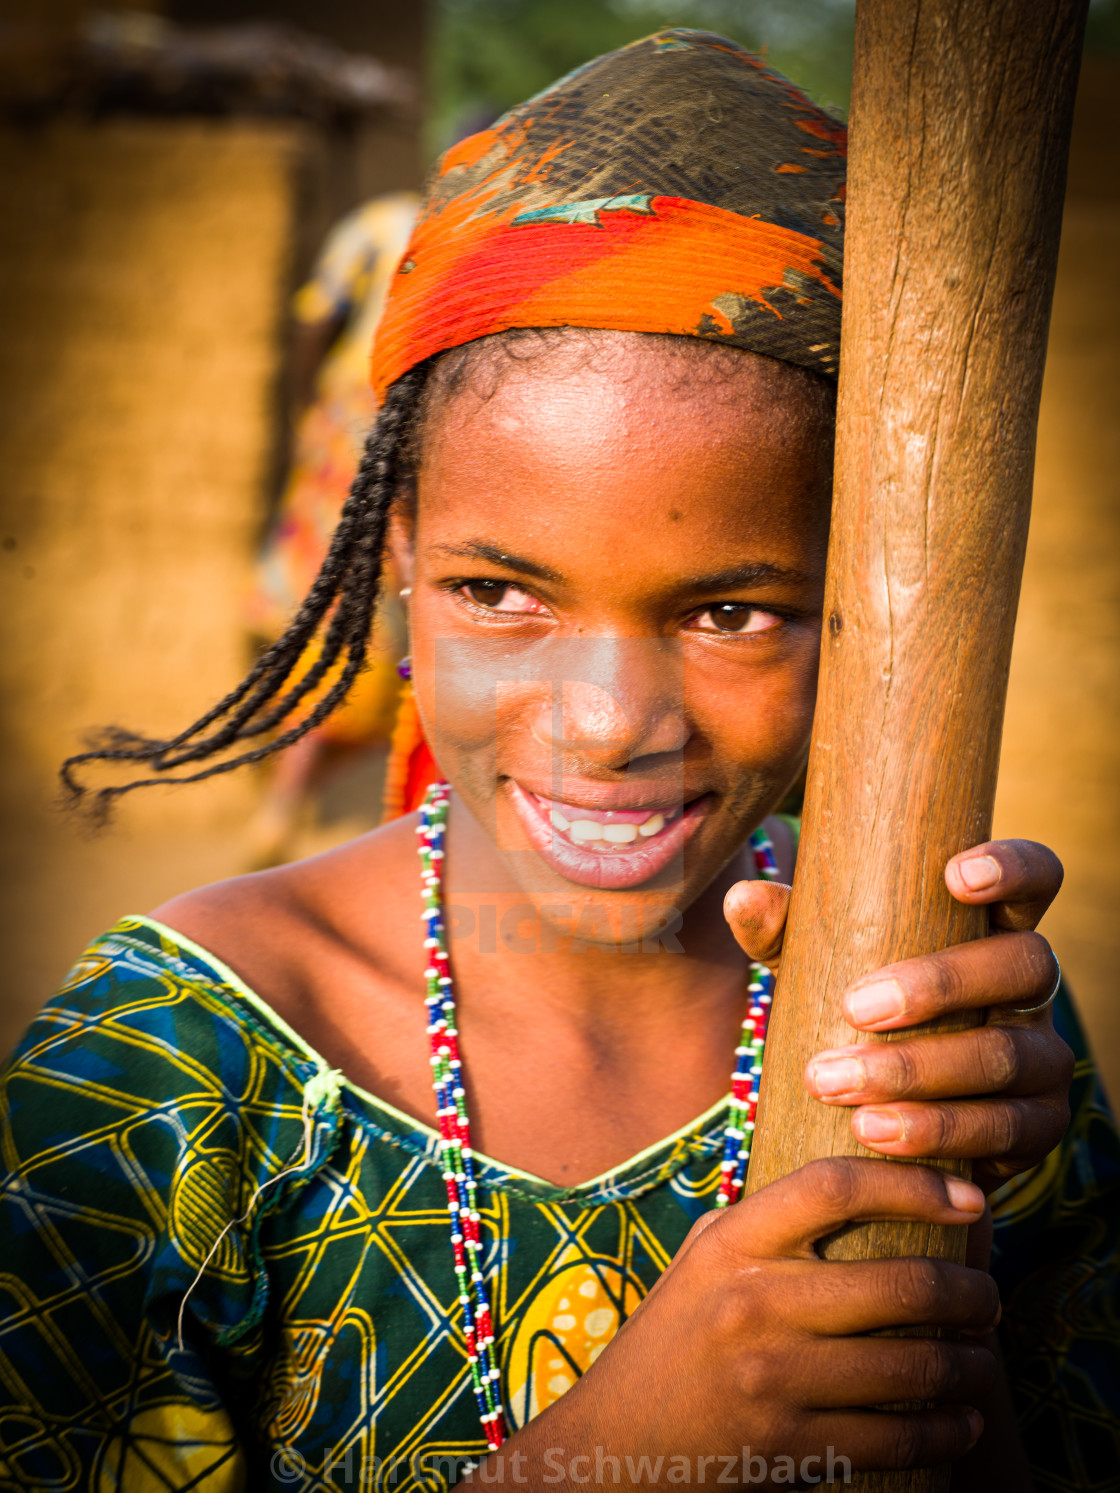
[[135, 971], [265, 915], [141, 1014], [353, 245], [144, 1045], [150, 1113], [383, 217], [298, 935], [224, 915]]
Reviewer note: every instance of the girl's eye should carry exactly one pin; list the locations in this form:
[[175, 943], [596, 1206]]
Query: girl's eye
[[735, 617], [500, 596]]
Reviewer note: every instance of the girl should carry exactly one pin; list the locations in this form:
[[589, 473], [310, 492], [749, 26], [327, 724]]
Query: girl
[[248, 1247]]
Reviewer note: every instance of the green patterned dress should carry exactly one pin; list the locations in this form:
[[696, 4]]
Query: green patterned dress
[[223, 1266]]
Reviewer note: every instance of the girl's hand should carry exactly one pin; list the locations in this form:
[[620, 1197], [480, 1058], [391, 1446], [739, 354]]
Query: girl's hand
[[749, 1340], [997, 1093]]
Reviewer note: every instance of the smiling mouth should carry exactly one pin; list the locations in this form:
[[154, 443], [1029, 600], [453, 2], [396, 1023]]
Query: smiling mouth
[[608, 848], [606, 831]]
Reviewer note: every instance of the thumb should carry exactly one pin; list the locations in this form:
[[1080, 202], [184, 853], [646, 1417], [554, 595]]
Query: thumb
[[705, 1221], [756, 914]]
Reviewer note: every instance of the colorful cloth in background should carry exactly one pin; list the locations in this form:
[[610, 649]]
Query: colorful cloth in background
[[347, 287], [177, 1158], [411, 769], [678, 185]]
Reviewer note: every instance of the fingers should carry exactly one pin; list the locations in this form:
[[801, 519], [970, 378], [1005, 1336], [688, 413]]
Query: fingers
[[786, 1218], [1018, 879], [978, 1252], [894, 1084], [756, 913], [885, 1440], [844, 1298], [1011, 1134], [1018, 969], [1012, 1060], [877, 1371]]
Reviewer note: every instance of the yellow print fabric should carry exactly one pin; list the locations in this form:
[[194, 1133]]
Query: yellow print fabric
[[223, 1267]]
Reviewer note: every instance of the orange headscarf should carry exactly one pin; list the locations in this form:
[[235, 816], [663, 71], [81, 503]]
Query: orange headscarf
[[677, 185]]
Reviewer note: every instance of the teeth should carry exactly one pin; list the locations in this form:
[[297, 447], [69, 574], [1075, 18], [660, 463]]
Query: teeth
[[586, 829], [583, 830]]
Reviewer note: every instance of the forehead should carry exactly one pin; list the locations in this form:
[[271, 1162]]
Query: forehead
[[627, 442]]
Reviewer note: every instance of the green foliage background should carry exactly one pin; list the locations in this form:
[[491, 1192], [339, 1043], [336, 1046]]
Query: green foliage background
[[486, 55]]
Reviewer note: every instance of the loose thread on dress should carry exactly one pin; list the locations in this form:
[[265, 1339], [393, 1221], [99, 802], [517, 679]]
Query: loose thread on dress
[[292, 1167]]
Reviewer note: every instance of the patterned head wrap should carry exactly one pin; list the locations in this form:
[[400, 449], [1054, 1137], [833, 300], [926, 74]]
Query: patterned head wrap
[[677, 185]]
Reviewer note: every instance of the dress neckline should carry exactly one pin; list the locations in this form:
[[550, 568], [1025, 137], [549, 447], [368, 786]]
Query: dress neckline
[[655, 1162]]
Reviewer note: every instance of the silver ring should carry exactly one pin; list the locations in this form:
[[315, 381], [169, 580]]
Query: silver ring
[[1049, 1001]]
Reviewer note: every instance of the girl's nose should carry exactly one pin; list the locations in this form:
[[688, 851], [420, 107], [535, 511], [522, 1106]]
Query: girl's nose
[[616, 700]]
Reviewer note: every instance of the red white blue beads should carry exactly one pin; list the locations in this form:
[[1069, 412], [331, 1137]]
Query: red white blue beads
[[454, 1124], [739, 1132], [455, 1129]]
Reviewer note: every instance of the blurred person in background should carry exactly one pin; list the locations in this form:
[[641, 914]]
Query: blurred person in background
[[335, 315]]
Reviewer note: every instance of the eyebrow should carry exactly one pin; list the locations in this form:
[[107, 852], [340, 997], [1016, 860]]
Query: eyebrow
[[743, 577], [479, 549], [735, 578]]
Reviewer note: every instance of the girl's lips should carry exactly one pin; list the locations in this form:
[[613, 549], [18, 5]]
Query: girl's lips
[[573, 813], [613, 865]]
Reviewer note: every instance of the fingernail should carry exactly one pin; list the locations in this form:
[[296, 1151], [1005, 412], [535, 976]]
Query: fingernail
[[879, 1125], [836, 1075], [975, 1428], [966, 1197], [979, 872], [878, 1000]]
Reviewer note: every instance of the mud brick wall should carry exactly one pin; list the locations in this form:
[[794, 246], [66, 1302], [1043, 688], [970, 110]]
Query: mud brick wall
[[144, 274], [1060, 769]]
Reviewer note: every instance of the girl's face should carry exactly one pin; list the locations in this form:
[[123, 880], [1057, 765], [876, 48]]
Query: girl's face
[[615, 612]]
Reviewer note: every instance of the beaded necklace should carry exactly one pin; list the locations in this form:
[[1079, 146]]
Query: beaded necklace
[[457, 1154]]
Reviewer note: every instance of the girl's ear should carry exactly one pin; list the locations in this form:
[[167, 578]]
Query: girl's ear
[[401, 550]]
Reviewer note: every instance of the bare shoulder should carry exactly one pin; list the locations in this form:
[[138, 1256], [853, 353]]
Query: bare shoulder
[[330, 945], [228, 917], [287, 932]]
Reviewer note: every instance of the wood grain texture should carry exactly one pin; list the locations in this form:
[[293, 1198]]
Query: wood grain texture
[[960, 128]]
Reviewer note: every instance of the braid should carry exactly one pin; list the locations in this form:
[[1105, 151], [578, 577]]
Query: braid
[[343, 596], [345, 589]]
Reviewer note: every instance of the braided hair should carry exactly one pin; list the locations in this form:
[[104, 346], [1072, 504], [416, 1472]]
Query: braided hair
[[342, 599], [343, 596]]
